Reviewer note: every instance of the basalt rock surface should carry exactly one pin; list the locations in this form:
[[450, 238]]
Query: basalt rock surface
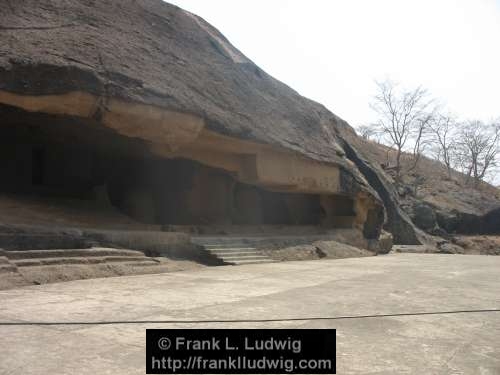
[[156, 54], [151, 71]]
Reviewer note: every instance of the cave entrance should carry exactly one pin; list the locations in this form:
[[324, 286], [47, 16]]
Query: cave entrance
[[34, 166], [160, 191], [185, 192], [65, 157], [59, 168]]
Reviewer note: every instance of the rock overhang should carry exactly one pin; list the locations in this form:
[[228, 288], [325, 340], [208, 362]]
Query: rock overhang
[[177, 83]]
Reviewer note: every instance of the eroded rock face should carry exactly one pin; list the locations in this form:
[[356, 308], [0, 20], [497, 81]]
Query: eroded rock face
[[463, 223], [398, 222], [177, 89], [491, 222]]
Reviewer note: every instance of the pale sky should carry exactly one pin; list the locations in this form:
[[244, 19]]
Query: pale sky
[[332, 51]]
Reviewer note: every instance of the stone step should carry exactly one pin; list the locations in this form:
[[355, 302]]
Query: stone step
[[142, 263], [237, 262], [228, 244], [21, 241], [146, 263], [245, 257], [409, 248], [6, 266], [222, 243], [78, 260], [234, 253], [67, 253], [230, 248], [235, 248]]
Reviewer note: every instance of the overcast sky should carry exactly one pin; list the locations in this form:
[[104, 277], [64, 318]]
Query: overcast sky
[[332, 51]]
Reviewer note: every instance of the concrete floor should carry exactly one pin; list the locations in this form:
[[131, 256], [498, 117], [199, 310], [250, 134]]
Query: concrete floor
[[464, 343]]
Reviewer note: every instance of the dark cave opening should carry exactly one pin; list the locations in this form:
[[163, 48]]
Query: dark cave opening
[[60, 156]]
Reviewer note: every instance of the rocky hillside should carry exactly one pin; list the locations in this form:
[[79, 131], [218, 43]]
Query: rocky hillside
[[429, 206], [429, 183], [437, 203]]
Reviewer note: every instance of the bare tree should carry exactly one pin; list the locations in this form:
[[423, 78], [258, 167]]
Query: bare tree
[[366, 131], [420, 138], [402, 115], [478, 149], [443, 128]]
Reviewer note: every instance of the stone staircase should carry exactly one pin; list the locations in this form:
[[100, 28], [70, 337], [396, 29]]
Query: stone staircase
[[232, 251], [30, 258]]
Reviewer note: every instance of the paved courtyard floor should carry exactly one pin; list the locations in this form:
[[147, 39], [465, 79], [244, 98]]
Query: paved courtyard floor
[[447, 343]]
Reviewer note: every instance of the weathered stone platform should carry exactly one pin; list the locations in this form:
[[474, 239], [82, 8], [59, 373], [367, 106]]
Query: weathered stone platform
[[454, 343]]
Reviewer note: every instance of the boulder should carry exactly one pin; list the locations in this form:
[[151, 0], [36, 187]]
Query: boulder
[[383, 244], [424, 216], [448, 221]]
